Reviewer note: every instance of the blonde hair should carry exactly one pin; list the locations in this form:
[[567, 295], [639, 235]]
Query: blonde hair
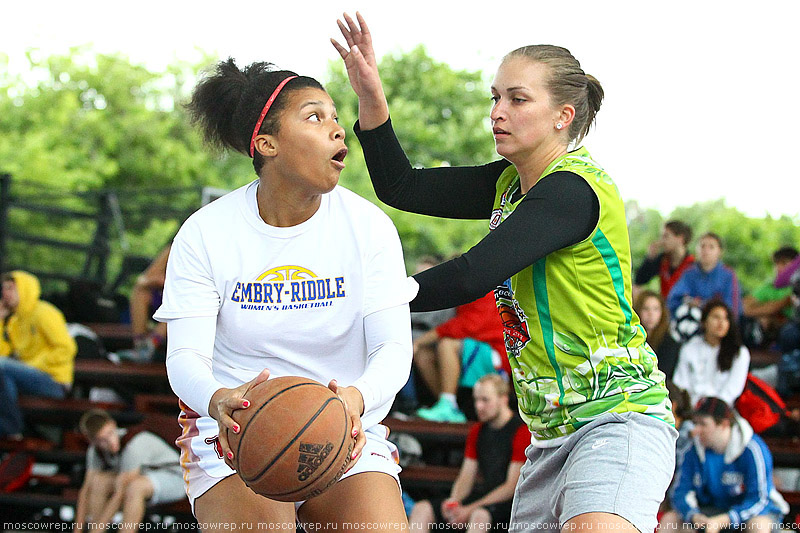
[[495, 380], [567, 84]]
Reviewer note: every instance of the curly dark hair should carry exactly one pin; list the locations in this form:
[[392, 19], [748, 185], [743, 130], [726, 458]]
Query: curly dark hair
[[228, 101]]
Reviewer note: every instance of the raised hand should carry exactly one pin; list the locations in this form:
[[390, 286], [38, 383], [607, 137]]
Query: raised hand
[[362, 70]]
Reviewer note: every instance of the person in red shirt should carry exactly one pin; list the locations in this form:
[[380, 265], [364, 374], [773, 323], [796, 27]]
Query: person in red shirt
[[458, 352], [667, 257], [494, 453]]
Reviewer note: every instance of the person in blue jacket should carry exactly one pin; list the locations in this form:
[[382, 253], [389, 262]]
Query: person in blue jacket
[[706, 279], [725, 478]]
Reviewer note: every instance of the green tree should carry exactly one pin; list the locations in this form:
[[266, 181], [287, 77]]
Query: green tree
[[85, 122], [749, 242], [81, 123], [441, 118]]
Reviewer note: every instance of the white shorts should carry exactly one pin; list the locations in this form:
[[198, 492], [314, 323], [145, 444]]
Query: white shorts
[[204, 467]]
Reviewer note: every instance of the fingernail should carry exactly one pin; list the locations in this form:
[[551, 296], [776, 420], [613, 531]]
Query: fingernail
[[235, 428], [353, 456], [246, 403], [230, 455], [355, 433]]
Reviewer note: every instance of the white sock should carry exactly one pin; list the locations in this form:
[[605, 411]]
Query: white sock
[[449, 398]]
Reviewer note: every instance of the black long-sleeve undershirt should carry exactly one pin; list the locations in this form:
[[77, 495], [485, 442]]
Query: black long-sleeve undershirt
[[559, 211]]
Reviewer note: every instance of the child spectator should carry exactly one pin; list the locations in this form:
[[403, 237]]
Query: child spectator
[[654, 317], [668, 258], [458, 352], [37, 353], [725, 478], [495, 451], [707, 279], [716, 362], [126, 469], [769, 306]]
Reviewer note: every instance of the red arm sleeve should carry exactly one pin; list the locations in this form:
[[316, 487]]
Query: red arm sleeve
[[522, 438], [471, 448]]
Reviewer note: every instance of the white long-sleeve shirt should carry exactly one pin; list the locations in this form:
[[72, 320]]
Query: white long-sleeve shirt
[[326, 299], [698, 374]]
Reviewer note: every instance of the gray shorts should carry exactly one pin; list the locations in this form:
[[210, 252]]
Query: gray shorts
[[168, 486], [620, 464]]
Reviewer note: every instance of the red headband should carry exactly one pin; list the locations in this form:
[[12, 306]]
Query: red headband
[[264, 111]]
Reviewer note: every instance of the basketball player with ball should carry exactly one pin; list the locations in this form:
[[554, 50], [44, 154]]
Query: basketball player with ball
[[289, 275]]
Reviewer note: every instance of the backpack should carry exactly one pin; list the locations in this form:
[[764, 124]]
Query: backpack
[[763, 408], [15, 471]]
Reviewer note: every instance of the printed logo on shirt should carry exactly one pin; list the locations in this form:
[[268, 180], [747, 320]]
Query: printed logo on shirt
[[496, 219], [288, 287], [515, 326], [733, 479], [500, 214]]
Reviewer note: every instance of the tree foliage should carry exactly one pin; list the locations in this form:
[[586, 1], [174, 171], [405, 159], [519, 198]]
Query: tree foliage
[[749, 242], [440, 116], [85, 122]]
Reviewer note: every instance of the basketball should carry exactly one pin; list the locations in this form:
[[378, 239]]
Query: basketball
[[294, 440]]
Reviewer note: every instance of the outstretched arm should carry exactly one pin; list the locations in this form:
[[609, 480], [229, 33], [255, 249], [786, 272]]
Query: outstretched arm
[[452, 192], [560, 210], [362, 69]]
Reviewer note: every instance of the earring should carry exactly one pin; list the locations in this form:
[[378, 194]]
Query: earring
[[559, 126]]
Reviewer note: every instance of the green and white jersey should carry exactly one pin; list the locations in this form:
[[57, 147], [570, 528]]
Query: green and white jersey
[[575, 344]]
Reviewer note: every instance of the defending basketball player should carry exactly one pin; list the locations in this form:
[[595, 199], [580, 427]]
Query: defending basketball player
[[288, 275], [558, 260]]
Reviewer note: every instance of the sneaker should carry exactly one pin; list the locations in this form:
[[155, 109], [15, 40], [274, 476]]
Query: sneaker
[[442, 411], [142, 352]]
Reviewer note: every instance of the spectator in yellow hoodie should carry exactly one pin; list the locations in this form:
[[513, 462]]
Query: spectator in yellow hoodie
[[37, 353]]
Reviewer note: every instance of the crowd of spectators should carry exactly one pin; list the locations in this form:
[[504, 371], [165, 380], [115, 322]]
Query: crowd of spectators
[[702, 331], [706, 367]]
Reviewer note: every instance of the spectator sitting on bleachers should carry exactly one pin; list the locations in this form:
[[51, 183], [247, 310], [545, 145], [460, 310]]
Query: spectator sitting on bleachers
[[421, 323], [654, 317], [667, 258], [725, 477], [771, 307], [37, 353], [126, 469], [682, 409], [458, 352], [706, 279], [145, 299], [714, 363], [494, 453], [789, 339]]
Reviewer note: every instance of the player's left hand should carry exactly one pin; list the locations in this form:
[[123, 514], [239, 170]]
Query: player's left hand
[[354, 404]]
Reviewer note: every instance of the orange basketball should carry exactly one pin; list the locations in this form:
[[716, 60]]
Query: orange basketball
[[294, 442]]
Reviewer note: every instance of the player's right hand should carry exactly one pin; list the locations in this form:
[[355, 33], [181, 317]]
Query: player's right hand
[[362, 70], [221, 407]]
